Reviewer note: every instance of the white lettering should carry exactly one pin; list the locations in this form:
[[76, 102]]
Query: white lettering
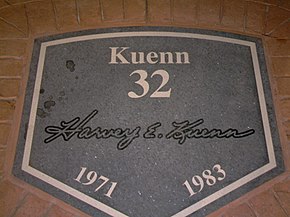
[[163, 56], [185, 57], [115, 55], [134, 58], [119, 55], [152, 57]]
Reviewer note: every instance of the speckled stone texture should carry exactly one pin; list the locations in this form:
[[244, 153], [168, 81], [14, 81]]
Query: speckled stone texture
[[23, 20]]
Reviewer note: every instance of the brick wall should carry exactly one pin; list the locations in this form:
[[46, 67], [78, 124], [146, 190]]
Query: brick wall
[[23, 20]]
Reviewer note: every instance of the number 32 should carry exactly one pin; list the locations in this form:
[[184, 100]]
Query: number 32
[[145, 86]]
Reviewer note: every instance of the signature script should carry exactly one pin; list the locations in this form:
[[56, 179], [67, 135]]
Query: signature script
[[181, 131]]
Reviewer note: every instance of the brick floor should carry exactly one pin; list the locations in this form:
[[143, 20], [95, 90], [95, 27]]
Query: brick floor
[[23, 20]]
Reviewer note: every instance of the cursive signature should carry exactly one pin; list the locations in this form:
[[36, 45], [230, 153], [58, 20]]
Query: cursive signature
[[67, 130], [186, 130], [180, 132]]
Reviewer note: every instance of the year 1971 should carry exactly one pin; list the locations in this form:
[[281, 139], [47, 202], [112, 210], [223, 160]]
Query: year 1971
[[92, 178]]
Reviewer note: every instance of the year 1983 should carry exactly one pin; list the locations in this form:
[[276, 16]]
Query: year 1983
[[198, 183]]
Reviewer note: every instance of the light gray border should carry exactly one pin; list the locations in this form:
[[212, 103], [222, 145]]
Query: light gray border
[[101, 206]]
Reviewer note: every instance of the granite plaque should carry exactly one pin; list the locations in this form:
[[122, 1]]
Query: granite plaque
[[148, 121]]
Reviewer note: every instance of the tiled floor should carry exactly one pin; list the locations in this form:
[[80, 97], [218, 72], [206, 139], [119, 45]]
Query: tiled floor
[[23, 20]]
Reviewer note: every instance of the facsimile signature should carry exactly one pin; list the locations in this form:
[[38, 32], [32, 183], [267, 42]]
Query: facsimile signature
[[181, 131]]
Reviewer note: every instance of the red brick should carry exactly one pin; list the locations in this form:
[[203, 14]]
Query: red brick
[[283, 85], [6, 110], [278, 47], [112, 10], [281, 66], [9, 88], [287, 127], [90, 12], [19, 1], [135, 10], [32, 206], [17, 17], [276, 25], [275, 16], [285, 4], [12, 48], [266, 205], [2, 159], [66, 13], [285, 108], [284, 199], [209, 12], [3, 3], [255, 17], [159, 11], [4, 133], [185, 11], [41, 17], [10, 197], [56, 211], [233, 14], [9, 31], [283, 186], [10, 67], [241, 211], [282, 32], [274, 2], [283, 191]]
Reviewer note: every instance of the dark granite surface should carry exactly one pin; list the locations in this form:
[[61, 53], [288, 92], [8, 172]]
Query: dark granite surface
[[217, 87]]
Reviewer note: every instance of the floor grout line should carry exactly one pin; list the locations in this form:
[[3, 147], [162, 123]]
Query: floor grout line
[[279, 202]]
